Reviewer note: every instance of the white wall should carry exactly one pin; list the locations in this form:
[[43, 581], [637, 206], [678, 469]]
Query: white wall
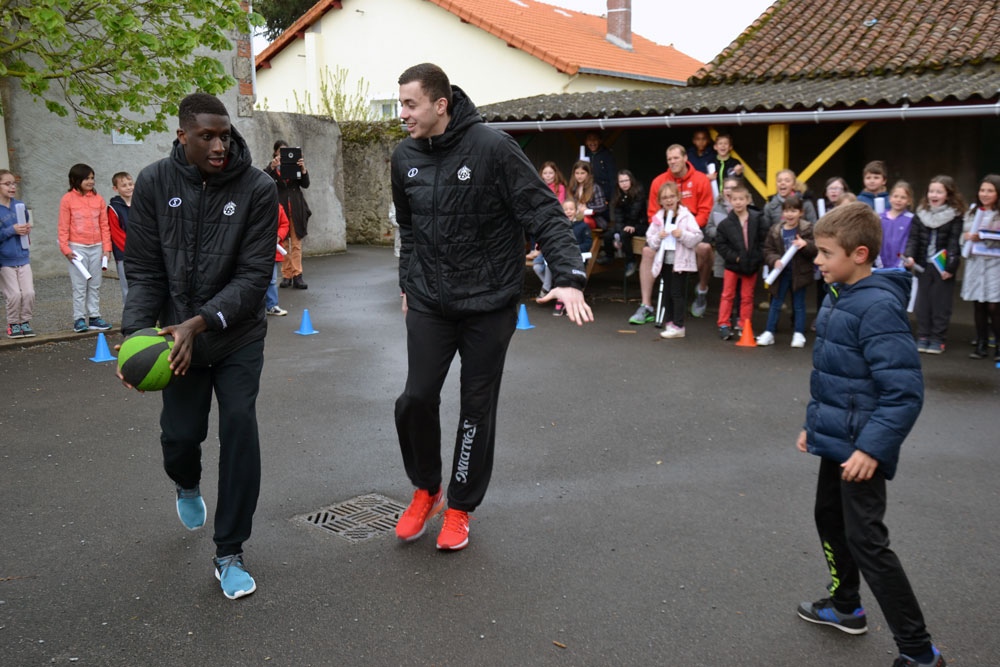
[[377, 40]]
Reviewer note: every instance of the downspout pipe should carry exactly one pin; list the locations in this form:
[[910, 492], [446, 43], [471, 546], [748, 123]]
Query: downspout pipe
[[902, 113]]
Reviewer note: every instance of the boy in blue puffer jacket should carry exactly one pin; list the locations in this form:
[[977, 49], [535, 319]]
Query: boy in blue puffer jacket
[[867, 391]]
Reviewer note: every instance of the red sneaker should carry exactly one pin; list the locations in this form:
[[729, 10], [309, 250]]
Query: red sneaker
[[413, 521], [454, 533]]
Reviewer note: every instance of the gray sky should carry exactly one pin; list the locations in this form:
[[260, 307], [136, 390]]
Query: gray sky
[[701, 29]]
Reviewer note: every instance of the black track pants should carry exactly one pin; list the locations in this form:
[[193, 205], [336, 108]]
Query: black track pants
[[481, 342]]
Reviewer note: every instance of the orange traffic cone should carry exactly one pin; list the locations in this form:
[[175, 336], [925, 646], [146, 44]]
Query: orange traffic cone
[[747, 339]]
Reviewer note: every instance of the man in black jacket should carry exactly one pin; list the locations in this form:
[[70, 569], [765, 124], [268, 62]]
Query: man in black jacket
[[199, 257], [465, 197]]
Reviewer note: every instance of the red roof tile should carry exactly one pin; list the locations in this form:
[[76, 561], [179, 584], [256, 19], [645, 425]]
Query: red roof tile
[[570, 41], [848, 38]]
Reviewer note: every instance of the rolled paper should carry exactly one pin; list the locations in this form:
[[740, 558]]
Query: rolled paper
[[104, 263], [80, 267], [282, 250], [821, 207], [715, 187], [785, 259], [880, 205]]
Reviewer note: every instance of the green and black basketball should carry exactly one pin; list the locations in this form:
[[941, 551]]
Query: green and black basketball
[[142, 359]]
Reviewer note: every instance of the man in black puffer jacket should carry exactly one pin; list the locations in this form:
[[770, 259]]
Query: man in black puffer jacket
[[466, 196], [199, 257]]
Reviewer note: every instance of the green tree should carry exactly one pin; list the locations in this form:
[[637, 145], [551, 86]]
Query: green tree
[[119, 64], [280, 14]]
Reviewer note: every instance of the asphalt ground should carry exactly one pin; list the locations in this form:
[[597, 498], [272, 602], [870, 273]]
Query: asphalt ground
[[647, 505]]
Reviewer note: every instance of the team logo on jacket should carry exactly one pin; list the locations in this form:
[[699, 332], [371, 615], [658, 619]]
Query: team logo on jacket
[[464, 174], [229, 208], [412, 172], [174, 202]]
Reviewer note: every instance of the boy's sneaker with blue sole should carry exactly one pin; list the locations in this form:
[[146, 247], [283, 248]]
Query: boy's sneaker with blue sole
[[824, 613], [233, 576], [937, 660], [190, 507]]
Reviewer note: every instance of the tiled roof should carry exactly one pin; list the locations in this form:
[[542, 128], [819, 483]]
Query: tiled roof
[[570, 41], [849, 38], [812, 54], [968, 84]]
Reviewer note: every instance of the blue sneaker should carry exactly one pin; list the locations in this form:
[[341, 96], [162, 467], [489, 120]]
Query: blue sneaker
[[80, 325], [190, 507], [824, 613], [232, 574], [98, 324]]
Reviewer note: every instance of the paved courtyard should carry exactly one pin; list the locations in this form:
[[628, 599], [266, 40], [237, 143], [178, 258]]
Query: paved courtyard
[[647, 506]]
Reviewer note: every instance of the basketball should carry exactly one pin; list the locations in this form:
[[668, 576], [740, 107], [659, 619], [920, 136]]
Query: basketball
[[142, 360]]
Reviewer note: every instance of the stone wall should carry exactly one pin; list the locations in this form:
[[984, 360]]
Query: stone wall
[[43, 146], [367, 191]]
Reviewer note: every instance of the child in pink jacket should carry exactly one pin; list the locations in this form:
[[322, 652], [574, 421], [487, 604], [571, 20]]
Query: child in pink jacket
[[673, 234], [84, 236]]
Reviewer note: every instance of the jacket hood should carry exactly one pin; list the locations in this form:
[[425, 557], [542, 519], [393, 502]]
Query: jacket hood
[[238, 160], [898, 283], [464, 115]]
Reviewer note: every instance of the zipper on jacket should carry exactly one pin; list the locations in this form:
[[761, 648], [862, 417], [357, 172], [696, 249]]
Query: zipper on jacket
[[434, 224], [193, 272]]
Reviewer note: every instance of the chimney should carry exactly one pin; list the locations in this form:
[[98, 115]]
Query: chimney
[[620, 23]]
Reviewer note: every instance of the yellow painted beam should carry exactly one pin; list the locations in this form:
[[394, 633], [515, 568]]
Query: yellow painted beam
[[831, 150], [777, 155]]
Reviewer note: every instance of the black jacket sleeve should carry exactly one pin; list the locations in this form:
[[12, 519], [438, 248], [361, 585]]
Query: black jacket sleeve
[[537, 210]]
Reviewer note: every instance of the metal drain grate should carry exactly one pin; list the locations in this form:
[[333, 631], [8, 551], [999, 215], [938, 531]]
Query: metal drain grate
[[358, 519]]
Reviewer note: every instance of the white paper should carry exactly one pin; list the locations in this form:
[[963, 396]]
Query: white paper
[[104, 263], [22, 219], [880, 205], [80, 267], [282, 250], [785, 259], [976, 222], [821, 207], [715, 187]]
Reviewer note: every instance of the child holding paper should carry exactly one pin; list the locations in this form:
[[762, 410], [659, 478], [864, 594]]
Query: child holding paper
[[981, 284], [794, 232], [935, 245], [875, 176], [15, 268], [84, 236], [673, 234], [896, 222]]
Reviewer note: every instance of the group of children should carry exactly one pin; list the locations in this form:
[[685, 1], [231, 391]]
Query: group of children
[[90, 231], [778, 244]]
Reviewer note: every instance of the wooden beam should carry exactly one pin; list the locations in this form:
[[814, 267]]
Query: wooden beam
[[777, 155], [831, 150]]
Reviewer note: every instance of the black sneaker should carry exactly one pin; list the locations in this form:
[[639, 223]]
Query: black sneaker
[[98, 324], [824, 613], [285, 282], [725, 333], [906, 661]]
